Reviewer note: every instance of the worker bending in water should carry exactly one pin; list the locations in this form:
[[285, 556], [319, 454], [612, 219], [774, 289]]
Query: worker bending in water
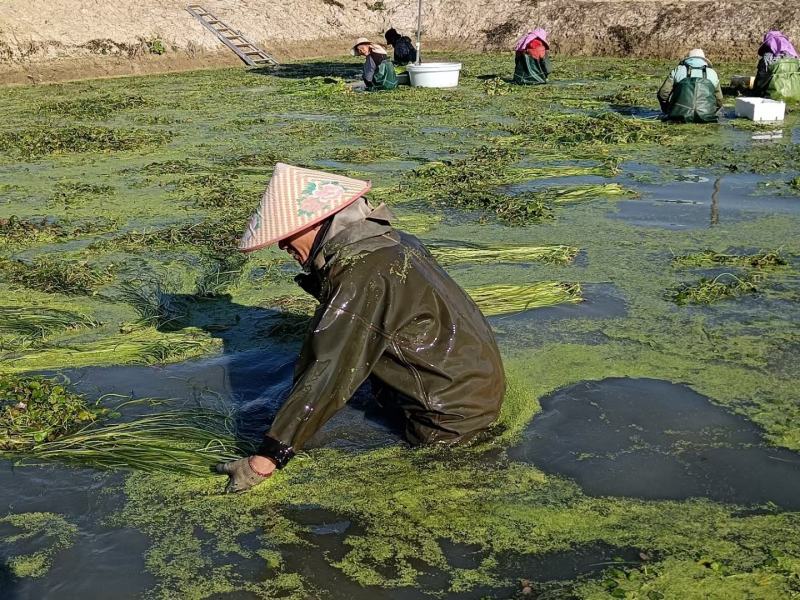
[[778, 70], [386, 308], [691, 93], [532, 58], [404, 51], [379, 73]]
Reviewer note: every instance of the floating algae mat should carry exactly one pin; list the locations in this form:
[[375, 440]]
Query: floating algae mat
[[654, 439], [121, 205]]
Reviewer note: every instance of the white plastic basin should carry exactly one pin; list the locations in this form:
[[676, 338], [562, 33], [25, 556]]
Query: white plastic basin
[[436, 75], [760, 109]]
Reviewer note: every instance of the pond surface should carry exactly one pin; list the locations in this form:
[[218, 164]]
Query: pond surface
[[658, 440], [605, 476]]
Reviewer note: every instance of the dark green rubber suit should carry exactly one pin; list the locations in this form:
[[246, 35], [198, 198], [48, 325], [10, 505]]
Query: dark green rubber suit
[[530, 71], [388, 309]]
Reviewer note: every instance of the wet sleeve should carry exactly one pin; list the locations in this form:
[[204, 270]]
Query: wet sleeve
[[664, 92], [336, 359]]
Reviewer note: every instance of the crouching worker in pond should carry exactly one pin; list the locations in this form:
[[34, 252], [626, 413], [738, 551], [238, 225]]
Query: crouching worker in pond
[[386, 308], [778, 70], [532, 58], [404, 51], [379, 73], [691, 93]]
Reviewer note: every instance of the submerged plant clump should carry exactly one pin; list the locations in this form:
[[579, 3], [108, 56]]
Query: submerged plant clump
[[606, 128], [15, 230], [96, 106], [72, 193], [35, 142], [707, 291], [48, 274], [502, 299]]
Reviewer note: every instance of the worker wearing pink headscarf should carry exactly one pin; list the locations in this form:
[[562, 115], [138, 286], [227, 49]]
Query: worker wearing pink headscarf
[[778, 71], [532, 60]]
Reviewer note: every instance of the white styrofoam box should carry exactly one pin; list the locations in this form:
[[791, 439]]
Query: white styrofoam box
[[439, 75], [760, 109]]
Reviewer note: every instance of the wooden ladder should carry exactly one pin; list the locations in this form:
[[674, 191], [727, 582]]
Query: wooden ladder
[[251, 54]]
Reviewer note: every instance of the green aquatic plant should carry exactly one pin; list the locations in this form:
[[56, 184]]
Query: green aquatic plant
[[73, 193], [35, 142], [466, 253], [186, 441], [710, 258], [41, 420], [49, 274], [100, 105], [496, 87], [579, 193], [156, 306], [217, 237], [35, 324], [222, 274], [503, 299], [38, 529], [137, 345], [15, 230], [35, 410], [707, 291], [607, 128]]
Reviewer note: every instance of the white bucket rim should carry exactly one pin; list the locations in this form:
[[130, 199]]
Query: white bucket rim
[[437, 66]]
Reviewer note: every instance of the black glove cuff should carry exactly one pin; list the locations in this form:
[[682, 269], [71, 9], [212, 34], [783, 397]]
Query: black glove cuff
[[276, 451]]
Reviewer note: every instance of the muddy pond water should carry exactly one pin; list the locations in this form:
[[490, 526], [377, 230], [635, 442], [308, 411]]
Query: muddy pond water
[[646, 446]]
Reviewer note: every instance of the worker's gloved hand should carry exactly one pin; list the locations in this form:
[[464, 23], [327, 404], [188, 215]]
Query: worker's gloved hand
[[245, 472]]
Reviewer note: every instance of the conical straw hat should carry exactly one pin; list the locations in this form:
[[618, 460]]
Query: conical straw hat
[[295, 200]]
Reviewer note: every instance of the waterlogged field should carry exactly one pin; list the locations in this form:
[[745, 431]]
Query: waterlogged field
[[642, 279]]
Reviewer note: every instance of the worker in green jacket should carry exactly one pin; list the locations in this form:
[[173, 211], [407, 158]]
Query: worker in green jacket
[[386, 308], [691, 93]]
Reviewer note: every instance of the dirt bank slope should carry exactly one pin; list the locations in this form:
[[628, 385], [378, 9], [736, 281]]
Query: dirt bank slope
[[33, 32]]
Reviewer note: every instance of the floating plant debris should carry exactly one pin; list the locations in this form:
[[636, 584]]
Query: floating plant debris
[[502, 299], [709, 258]]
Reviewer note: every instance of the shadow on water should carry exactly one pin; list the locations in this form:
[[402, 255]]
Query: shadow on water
[[252, 382], [8, 589], [653, 439], [312, 69]]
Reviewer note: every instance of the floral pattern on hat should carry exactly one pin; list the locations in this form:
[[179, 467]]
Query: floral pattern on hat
[[318, 195]]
